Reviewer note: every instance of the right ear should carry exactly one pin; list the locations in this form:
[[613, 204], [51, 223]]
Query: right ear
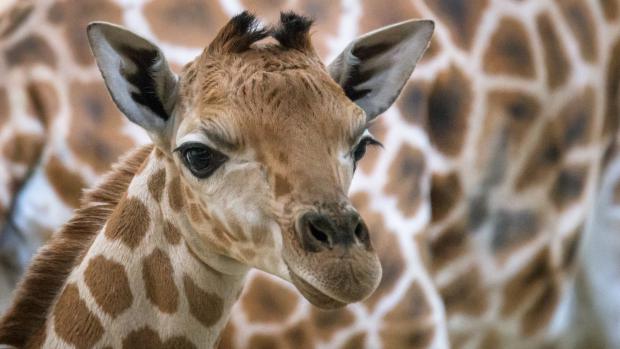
[[136, 74]]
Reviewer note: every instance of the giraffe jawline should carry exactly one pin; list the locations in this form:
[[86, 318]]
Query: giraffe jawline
[[313, 295]]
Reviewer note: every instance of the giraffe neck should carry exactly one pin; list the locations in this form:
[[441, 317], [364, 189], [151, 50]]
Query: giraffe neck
[[139, 282]]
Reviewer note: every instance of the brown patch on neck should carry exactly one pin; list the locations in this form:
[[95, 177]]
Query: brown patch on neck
[[175, 195], [157, 272], [74, 322], [204, 306], [129, 222], [156, 184], [52, 265]]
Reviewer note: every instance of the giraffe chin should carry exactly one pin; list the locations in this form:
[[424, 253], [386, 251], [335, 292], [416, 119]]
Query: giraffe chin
[[313, 295]]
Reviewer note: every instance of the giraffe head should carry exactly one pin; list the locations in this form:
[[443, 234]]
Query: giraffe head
[[262, 140]]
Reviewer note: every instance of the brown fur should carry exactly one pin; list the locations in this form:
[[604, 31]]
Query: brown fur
[[52, 265]]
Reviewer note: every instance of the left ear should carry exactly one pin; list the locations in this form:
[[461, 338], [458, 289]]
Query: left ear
[[373, 69]]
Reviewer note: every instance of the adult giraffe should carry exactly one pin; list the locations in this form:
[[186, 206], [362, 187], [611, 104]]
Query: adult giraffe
[[515, 66]]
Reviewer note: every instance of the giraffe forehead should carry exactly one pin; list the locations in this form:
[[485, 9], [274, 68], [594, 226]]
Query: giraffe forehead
[[270, 109]]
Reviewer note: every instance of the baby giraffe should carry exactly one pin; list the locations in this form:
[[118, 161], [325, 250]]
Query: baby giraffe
[[254, 148]]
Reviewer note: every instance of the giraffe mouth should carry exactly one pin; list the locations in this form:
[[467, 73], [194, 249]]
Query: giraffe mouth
[[314, 295]]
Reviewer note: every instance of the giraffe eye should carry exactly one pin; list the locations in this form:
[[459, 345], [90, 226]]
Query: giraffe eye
[[360, 149], [201, 160]]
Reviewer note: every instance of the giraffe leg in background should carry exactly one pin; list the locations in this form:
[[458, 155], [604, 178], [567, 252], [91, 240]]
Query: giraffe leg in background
[[599, 277], [22, 140]]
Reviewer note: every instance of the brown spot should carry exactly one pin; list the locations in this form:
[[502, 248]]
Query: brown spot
[[413, 102], [30, 50], [161, 290], [95, 121], [129, 222], [282, 186], [195, 22], [405, 179], [73, 321], [538, 315], [109, 285], [328, 322], [526, 282], [409, 335], [509, 51], [512, 230], [24, 148], [461, 18], [171, 233], [609, 9], [261, 306], [66, 183], [508, 122], [147, 338], [581, 23], [74, 15], [568, 186], [556, 62], [156, 184], [575, 119], [545, 158], [43, 101], [449, 105], [445, 193], [204, 306], [414, 305], [175, 195], [355, 342], [465, 294], [299, 336], [188, 192], [573, 126], [262, 341], [194, 213], [449, 244]]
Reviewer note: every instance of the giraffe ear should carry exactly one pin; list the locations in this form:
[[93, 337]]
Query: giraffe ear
[[373, 69], [136, 74]]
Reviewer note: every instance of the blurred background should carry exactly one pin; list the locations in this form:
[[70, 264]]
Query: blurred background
[[477, 205]]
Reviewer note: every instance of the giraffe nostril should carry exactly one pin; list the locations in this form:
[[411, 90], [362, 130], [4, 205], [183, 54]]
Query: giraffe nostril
[[360, 232], [318, 234]]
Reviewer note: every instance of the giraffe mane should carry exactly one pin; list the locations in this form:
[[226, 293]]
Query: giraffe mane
[[53, 263]]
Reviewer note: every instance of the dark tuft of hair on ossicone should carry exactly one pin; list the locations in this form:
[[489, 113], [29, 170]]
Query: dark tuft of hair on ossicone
[[293, 31], [238, 34]]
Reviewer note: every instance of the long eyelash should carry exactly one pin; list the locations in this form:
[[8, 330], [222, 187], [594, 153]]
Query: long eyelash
[[371, 141], [187, 145]]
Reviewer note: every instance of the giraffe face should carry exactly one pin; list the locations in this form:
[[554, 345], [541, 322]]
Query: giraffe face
[[265, 139], [280, 148]]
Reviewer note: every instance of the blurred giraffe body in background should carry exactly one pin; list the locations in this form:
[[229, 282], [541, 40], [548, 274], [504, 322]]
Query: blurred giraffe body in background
[[478, 203]]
